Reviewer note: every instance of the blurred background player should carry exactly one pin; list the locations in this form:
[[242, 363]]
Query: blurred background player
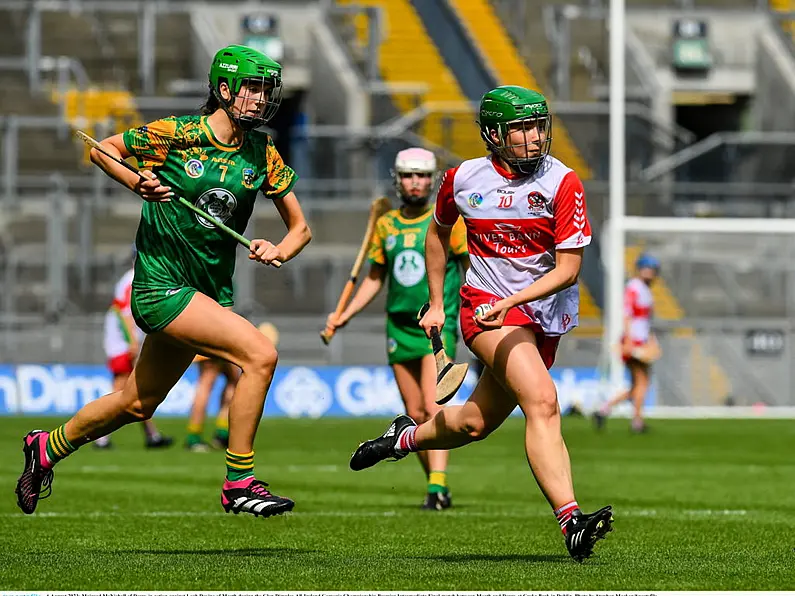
[[122, 342], [638, 344], [526, 224], [209, 371], [397, 252]]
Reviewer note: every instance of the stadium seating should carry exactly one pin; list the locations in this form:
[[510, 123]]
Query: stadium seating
[[501, 55], [408, 55]]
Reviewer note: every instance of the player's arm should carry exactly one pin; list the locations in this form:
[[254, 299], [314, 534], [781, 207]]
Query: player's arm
[[374, 281], [278, 186], [437, 245], [149, 190], [568, 263], [297, 237], [572, 234], [368, 290]]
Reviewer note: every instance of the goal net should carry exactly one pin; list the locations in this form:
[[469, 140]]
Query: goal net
[[724, 313]]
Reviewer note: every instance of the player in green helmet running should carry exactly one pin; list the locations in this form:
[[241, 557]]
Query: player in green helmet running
[[397, 259], [182, 287], [526, 225]]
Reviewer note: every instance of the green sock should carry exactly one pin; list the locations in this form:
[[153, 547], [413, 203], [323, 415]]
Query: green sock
[[239, 466], [58, 446], [193, 439], [437, 482], [194, 434]]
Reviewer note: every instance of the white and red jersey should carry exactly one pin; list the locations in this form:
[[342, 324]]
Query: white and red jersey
[[117, 338], [638, 307], [514, 225]]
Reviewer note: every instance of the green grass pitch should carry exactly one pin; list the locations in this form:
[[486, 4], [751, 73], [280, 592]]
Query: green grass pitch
[[699, 505]]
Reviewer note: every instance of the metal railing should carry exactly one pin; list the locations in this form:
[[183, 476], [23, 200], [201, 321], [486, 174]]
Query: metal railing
[[146, 11]]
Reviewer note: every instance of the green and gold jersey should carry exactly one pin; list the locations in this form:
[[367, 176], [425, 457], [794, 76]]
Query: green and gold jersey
[[176, 247], [399, 245]]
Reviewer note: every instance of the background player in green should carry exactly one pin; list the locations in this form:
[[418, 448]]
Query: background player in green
[[182, 287], [397, 252]]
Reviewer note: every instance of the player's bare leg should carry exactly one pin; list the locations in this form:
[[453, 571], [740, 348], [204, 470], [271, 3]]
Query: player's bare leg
[[408, 382], [209, 370], [220, 438], [512, 356], [119, 381], [515, 374], [640, 385], [452, 426], [216, 331], [161, 363]]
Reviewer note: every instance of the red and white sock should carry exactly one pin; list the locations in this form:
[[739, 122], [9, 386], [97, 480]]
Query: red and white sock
[[406, 441], [563, 514]]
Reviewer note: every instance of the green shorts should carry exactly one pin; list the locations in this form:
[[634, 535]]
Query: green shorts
[[405, 339], [154, 308]]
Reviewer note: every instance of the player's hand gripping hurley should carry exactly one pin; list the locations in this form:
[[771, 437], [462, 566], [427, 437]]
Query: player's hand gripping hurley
[[377, 209], [449, 375], [221, 226]]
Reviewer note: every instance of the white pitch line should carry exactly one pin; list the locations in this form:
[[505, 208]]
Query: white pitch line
[[665, 514]]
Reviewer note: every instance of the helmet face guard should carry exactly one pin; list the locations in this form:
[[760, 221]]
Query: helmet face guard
[[251, 77], [512, 153], [414, 161], [508, 110], [265, 92]]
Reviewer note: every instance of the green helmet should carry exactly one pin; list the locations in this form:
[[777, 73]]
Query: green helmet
[[238, 65], [510, 106]]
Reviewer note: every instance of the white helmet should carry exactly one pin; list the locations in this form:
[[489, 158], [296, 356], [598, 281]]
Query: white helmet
[[410, 161]]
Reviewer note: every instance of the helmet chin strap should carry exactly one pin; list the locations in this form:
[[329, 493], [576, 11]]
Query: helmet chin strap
[[414, 201], [229, 107]]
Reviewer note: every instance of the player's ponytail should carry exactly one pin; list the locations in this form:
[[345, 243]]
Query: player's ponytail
[[211, 104]]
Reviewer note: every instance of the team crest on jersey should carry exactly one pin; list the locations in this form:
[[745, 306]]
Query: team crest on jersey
[[217, 202], [536, 202], [248, 177], [409, 268], [390, 242], [391, 345], [475, 200], [194, 168]]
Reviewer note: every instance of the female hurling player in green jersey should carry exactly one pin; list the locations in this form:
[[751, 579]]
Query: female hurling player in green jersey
[[397, 252], [182, 288]]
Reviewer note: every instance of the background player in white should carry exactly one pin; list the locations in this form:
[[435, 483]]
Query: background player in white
[[122, 342], [637, 341], [526, 229]]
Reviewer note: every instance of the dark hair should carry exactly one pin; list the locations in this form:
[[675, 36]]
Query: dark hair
[[211, 104]]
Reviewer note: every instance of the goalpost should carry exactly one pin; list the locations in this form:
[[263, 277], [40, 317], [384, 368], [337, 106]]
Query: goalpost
[[619, 225]]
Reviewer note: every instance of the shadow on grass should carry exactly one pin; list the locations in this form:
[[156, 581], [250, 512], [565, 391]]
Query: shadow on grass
[[481, 557], [236, 552]]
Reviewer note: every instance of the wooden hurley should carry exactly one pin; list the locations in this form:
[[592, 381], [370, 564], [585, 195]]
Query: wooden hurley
[[449, 375], [377, 208]]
